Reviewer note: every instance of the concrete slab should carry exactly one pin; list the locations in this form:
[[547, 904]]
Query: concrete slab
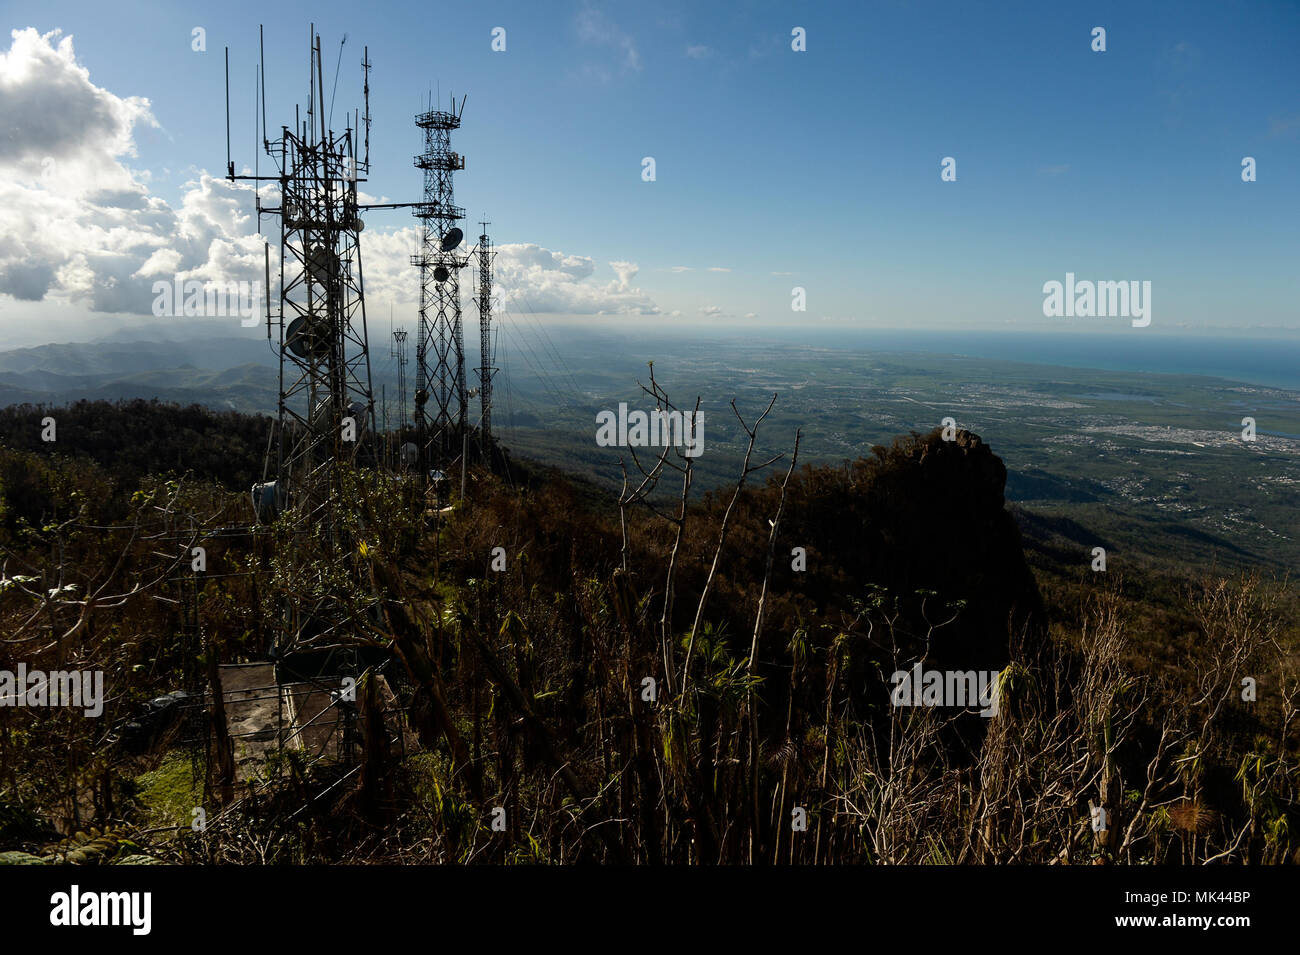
[[306, 715]]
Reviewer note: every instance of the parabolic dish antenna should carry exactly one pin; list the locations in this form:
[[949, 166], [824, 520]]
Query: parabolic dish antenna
[[440, 274], [306, 339], [452, 239], [321, 263]]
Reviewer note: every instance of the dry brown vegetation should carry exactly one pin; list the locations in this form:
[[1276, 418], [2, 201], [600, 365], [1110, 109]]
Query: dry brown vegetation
[[526, 688]]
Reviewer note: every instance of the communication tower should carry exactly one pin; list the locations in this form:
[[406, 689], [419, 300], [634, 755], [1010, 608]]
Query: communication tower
[[398, 351], [486, 369], [440, 396], [326, 412]]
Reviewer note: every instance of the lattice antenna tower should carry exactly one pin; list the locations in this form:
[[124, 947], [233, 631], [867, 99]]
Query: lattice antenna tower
[[398, 351], [440, 395], [326, 414], [486, 358]]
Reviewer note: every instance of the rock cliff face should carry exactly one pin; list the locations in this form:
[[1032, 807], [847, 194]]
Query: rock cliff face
[[926, 520]]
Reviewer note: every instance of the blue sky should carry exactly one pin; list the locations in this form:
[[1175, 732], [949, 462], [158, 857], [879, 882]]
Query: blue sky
[[823, 164]]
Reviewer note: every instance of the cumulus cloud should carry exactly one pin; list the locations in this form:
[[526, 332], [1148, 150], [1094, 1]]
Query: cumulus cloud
[[77, 223], [526, 275], [547, 281], [50, 110], [79, 227]]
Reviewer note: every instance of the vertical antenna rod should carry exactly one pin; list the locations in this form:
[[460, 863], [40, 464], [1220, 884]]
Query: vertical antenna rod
[[261, 46], [230, 166], [365, 94]]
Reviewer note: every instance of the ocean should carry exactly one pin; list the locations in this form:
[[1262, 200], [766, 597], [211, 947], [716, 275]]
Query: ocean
[[1271, 362]]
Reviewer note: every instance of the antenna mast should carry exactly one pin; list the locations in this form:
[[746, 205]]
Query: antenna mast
[[440, 396], [326, 406], [398, 350], [485, 371]]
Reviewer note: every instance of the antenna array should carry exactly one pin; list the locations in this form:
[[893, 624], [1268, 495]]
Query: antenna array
[[326, 416], [440, 395]]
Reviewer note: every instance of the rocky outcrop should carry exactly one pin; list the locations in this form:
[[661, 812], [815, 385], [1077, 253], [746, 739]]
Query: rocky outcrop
[[924, 523]]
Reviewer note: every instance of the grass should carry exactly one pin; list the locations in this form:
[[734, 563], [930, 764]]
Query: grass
[[169, 794]]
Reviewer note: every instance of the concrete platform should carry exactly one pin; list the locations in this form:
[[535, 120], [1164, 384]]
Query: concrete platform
[[307, 716]]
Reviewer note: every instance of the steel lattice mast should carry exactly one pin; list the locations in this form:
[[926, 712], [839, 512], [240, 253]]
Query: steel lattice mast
[[440, 395], [326, 414], [326, 408], [484, 302], [398, 351]]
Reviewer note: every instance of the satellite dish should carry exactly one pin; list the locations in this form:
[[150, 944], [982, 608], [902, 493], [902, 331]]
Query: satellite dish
[[440, 274], [321, 263], [357, 224], [306, 339], [452, 239]]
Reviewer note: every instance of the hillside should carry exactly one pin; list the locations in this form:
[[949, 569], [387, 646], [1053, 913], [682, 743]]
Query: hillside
[[547, 677]]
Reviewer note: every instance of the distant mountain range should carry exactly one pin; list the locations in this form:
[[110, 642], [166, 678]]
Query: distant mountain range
[[233, 373]]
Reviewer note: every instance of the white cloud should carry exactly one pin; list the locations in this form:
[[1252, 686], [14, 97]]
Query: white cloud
[[626, 272], [543, 280], [57, 122], [716, 268], [81, 230], [699, 52], [526, 275], [77, 223], [596, 29]]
